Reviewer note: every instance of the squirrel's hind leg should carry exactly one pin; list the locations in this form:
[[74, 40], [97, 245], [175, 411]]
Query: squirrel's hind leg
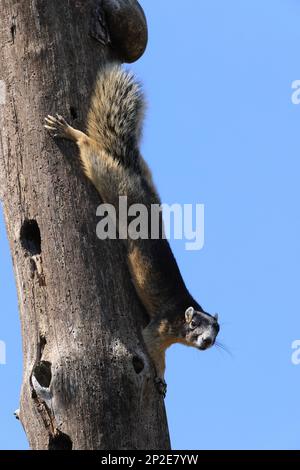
[[88, 149]]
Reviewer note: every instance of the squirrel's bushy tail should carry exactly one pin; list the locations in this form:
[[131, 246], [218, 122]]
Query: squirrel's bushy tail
[[116, 112]]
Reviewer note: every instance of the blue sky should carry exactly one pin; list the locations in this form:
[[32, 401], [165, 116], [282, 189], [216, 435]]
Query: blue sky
[[221, 130]]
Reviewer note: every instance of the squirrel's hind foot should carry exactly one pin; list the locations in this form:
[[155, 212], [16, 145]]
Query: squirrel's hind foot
[[58, 126], [161, 386]]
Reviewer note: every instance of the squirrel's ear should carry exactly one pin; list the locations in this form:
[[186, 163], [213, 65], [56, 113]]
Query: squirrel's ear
[[189, 313]]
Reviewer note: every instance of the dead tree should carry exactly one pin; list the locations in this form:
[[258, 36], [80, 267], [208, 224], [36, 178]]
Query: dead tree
[[87, 381]]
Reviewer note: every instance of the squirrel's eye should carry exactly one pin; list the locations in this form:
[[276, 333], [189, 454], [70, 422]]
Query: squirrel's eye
[[193, 324]]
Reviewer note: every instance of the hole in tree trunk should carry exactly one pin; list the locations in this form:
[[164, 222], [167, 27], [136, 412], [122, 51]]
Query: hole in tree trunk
[[42, 344], [60, 442], [33, 268], [42, 373], [138, 364], [13, 29], [73, 112], [30, 237]]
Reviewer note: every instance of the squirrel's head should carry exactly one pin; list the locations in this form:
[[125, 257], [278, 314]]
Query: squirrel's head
[[200, 329]]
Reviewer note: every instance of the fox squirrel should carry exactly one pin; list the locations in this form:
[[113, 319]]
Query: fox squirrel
[[110, 156]]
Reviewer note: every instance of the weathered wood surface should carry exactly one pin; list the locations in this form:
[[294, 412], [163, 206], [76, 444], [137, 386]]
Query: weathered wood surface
[[87, 382]]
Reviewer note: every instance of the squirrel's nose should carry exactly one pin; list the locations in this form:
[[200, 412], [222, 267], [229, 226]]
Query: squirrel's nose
[[207, 342]]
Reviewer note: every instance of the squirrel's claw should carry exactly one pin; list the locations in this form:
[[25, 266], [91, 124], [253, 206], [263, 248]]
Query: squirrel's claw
[[56, 125], [62, 122], [161, 386]]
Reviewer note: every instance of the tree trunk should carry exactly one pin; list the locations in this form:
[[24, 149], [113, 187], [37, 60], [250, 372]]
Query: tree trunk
[[87, 381]]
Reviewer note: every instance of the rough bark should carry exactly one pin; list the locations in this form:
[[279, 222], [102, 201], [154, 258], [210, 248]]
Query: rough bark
[[87, 381]]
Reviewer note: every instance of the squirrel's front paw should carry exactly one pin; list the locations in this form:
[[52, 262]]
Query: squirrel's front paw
[[161, 386], [57, 126]]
